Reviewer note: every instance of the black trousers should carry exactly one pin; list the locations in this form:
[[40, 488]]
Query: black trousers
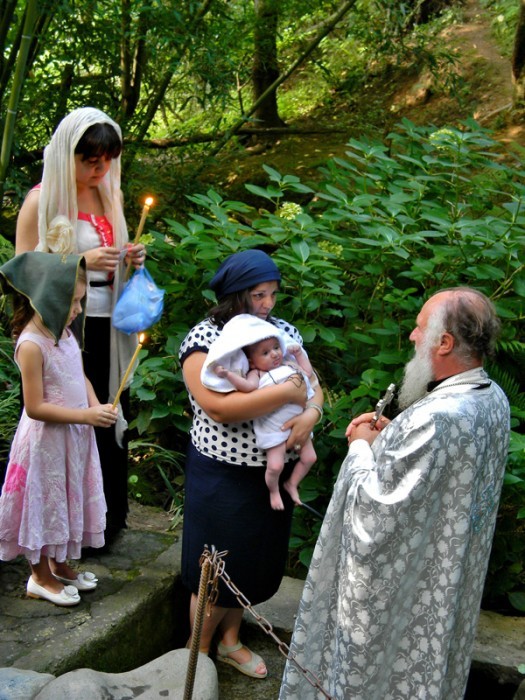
[[113, 459]]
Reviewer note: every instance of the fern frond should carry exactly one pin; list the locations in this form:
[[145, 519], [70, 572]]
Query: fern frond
[[514, 348], [509, 384]]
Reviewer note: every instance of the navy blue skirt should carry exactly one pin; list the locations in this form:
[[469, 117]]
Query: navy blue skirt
[[229, 507]]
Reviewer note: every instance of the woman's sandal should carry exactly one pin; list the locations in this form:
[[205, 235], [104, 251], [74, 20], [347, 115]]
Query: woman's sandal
[[247, 668]]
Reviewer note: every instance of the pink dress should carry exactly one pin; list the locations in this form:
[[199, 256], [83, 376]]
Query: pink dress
[[52, 502]]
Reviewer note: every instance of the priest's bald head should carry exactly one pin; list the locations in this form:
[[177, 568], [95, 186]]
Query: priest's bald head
[[455, 330]]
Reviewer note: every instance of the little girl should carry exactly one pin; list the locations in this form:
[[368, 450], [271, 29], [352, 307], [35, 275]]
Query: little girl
[[52, 502]]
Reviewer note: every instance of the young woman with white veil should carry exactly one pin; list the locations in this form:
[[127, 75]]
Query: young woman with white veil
[[78, 208]]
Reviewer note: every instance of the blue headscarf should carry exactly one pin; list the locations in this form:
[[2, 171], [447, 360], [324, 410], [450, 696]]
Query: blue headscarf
[[244, 270]]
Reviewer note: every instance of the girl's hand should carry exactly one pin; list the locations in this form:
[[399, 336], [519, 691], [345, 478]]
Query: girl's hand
[[101, 416], [136, 255], [103, 259]]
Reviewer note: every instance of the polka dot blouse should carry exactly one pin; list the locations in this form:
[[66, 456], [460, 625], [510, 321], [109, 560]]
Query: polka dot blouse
[[228, 442]]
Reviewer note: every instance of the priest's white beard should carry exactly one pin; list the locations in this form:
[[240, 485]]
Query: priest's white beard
[[418, 373]]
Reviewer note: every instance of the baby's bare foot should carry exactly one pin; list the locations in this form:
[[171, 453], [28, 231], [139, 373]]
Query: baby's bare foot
[[276, 501], [294, 493]]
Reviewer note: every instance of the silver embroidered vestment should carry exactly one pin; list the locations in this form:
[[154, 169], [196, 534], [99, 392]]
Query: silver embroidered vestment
[[391, 602]]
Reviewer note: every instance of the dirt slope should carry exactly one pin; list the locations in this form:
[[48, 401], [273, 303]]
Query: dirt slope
[[486, 95]]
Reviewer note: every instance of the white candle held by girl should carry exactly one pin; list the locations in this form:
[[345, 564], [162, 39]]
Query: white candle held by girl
[[147, 204], [130, 367]]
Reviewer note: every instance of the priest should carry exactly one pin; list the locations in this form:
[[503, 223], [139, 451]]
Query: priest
[[391, 602]]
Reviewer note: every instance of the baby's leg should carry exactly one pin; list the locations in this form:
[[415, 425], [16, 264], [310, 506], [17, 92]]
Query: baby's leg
[[307, 458], [274, 466]]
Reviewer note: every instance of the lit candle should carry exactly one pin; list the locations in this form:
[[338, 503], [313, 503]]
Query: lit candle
[[147, 204], [130, 367]]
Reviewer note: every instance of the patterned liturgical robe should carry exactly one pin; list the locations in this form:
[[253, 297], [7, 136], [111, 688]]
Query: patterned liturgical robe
[[390, 606]]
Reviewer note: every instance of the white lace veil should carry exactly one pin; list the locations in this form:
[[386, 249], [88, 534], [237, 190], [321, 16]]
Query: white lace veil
[[58, 192], [58, 198]]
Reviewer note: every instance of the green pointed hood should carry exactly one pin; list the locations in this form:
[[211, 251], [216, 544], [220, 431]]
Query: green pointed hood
[[49, 282]]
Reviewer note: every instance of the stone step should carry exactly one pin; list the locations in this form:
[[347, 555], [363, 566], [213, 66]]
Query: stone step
[[139, 612], [125, 622]]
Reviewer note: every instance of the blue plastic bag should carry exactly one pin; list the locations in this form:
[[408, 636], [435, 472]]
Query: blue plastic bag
[[140, 305]]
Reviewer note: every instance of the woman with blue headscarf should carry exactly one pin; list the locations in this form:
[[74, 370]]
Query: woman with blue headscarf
[[226, 501]]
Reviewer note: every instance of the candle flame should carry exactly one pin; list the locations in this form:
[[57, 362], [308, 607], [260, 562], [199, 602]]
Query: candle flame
[[141, 338], [148, 201]]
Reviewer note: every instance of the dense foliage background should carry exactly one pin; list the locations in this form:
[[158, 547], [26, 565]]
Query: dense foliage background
[[402, 212], [388, 225], [181, 76]]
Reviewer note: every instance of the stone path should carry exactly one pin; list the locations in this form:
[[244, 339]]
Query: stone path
[[139, 612]]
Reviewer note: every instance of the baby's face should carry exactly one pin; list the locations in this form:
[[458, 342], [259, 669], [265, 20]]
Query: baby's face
[[266, 355]]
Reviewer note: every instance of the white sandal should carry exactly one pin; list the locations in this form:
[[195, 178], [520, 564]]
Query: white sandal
[[248, 668]]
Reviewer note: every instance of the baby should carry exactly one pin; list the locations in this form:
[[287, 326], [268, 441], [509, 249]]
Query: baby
[[268, 366]]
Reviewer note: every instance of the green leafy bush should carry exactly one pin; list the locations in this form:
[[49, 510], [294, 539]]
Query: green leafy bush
[[504, 14], [388, 225]]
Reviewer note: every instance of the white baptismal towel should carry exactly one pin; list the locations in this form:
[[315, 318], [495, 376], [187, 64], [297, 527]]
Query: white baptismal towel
[[241, 330]]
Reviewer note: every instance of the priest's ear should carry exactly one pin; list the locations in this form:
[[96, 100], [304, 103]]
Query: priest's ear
[[447, 343]]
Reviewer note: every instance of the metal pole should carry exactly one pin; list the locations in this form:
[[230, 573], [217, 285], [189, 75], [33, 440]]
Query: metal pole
[[197, 629]]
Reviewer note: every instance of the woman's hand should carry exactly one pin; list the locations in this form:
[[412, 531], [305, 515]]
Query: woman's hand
[[295, 387], [238, 406], [103, 259], [136, 255], [301, 427]]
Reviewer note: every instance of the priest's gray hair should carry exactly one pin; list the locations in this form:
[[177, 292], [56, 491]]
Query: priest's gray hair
[[470, 317]]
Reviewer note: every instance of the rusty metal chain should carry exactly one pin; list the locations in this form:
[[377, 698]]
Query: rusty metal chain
[[215, 562]]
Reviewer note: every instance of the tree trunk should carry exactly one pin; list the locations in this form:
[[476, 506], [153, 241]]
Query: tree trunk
[[7, 12], [157, 98], [518, 60], [326, 28], [30, 20], [132, 62], [265, 69], [63, 93], [426, 10]]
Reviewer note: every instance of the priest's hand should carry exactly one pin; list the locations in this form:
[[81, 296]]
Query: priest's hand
[[359, 428]]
